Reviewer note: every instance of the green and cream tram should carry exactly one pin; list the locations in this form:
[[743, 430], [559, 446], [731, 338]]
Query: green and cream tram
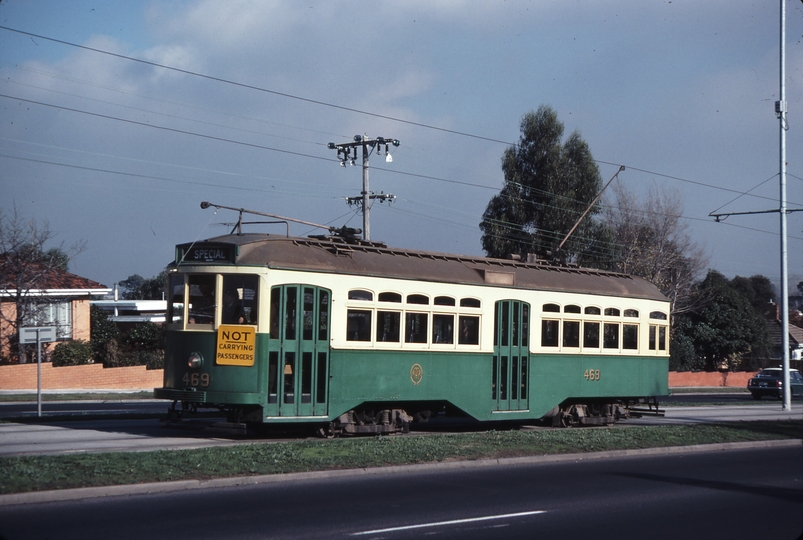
[[358, 337]]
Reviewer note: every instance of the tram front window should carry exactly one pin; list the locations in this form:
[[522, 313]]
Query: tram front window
[[201, 299], [239, 299]]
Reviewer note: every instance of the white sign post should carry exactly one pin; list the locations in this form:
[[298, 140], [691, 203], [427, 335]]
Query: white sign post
[[38, 335]]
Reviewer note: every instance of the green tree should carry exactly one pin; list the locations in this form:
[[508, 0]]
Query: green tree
[[136, 287], [548, 186], [758, 290], [723, 328]]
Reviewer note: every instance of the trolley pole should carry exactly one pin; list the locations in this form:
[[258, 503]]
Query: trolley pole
[[347, 154]]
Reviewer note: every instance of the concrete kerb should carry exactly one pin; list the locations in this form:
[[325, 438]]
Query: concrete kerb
[[182, 485]]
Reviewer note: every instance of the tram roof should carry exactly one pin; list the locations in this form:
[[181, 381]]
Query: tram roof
[[336, 256]]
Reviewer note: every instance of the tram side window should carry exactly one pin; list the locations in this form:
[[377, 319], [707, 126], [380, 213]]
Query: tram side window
[[657, 341], [358, 327], [415, 328], [443, 329], [239, 299], [630, 336], [610, 333], [571, 333], [388, 325], [549, 333], [175, 289], [201, 299], [591, 335], [469, 330]]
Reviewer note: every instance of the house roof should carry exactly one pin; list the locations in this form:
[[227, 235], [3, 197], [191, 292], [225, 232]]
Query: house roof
[[775, 332], [53, 282]]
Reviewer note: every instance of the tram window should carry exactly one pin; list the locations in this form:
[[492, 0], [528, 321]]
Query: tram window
[[290, 313], [631, 313], [308, 321], [390, 297], [571, 309], [549, 333], [444, 301], [359, 294], [469, 330], [662, 338], [418, 299], [359, 325], [275, 306], [273, 371], [658, 315], [323, 316], [443, 329], [591, 335], [591, 310], [610, 336], [388, 324], [612, 312], [175, 289], [415, 328], [525, 324], [202, 299], [551, 308], [239, 299], [571, 333], [652, 341], [630, 336], [470, 302]]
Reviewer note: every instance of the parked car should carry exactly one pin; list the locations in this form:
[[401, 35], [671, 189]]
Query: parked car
[[769, 382]]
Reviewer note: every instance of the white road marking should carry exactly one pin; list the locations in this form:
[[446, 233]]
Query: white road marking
[[452, 522]]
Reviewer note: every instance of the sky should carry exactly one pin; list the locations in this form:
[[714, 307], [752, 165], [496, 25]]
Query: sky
[[118, 118]]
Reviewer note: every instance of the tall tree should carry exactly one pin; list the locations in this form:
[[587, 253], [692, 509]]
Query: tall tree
[[651, 242], [548, 186], [24, 266], [136, 287], [722, 328]]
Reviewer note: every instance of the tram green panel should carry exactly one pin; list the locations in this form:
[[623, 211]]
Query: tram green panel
[[364, 376], [555, 378], [222, 384]]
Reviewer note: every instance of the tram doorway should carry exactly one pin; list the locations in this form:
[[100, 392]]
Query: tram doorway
[[511, 356], [298, 351]]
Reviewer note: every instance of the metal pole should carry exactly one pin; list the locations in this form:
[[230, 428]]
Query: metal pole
[[366, 208], [787, 396], [38, 374]]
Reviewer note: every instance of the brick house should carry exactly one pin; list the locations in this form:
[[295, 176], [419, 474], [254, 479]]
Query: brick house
[[59, 299]]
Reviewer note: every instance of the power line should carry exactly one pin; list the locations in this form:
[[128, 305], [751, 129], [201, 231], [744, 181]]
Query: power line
[[252, 87]]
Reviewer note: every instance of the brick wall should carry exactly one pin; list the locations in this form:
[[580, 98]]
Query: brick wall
[[702, 378], [89, 377]]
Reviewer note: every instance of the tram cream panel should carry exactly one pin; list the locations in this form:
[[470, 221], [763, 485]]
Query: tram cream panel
[[340, 285], [603, 303]]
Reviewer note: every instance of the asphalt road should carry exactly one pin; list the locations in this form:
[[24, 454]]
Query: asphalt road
[[726, 494]]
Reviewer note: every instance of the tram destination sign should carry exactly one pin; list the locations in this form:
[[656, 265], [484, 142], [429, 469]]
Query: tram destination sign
[[205, 253]]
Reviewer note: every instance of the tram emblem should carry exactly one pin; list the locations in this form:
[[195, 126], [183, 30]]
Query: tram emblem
[[416, 374]]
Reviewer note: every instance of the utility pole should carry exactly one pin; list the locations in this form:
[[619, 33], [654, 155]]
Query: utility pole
[[780, 114], [347, 153]]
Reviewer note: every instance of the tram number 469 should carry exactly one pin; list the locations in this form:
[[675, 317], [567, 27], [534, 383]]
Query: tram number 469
[[591, 375], [196, 379]]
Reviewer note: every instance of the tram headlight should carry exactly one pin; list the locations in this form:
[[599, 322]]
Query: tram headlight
[[195, 361]]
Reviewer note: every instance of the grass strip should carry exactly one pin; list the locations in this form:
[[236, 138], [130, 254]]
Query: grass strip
[[36, 473]]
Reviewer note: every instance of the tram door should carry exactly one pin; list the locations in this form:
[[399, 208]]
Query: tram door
[[298, 361], [511, 356]]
